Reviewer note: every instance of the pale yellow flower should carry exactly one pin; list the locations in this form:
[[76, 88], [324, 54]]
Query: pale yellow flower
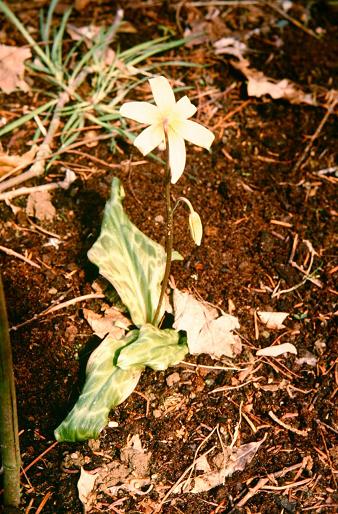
[[172, 117], [196, 228]]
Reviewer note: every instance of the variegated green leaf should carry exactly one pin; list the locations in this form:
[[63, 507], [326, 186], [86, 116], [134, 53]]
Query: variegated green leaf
[[130, 260], [155, 348], [106, 386]]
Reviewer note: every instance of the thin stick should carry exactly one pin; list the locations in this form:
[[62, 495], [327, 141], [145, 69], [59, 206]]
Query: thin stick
[[9, 195], [43, 503], [295, 22], [9, 438], [261, 483], [11, 252], [39, 457], [169, 232], [44, 151], [302, 159], [303, 433], [59, 306]]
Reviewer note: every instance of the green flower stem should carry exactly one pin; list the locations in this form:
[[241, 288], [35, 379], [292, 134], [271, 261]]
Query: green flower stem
[[9, 438], [169, 236]]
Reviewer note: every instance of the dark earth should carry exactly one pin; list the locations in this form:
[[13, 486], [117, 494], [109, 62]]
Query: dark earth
[[254, 201]]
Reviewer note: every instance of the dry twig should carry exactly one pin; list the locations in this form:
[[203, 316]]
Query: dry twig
[[332, 104], [273, 416], [17, 255]]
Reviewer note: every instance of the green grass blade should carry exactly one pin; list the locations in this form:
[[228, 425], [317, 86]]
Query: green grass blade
[[56, 54], [45, 32], [17, 123]]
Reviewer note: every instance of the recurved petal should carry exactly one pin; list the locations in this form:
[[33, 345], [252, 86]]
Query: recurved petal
[[176, 155], [185, 108], [149, 139], [143, 112], [196, 134], [163, 94]]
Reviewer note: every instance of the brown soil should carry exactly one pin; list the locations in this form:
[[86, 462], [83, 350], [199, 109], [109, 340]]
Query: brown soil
[[253, 205]]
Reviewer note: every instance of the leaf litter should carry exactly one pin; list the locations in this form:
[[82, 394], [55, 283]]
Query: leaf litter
[[207, 332], [215, 469], [112, 322], [130, 473], [39, 205], [273, 320], [12, 68], [12, 164], [259, 85], [277, 350]]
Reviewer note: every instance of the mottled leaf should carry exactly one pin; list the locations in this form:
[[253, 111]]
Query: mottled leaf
[[132, 262], [155, 348], [106, 386]]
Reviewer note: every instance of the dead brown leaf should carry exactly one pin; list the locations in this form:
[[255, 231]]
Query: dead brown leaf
[[206, 331], [14, 163], [85, 486], [12, 68], [259, 85], [39, 205], [111, 322], [223, 464], [273, 320]]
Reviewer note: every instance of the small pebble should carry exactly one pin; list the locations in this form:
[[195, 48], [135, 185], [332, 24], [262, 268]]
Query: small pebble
[[173, 379]]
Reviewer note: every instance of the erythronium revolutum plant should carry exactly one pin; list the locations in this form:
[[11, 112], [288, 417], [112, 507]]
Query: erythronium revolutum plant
[[138, 268]]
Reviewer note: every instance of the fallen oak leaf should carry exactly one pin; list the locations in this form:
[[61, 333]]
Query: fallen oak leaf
[[217, 338], [275, 351], [206, 332], [12, 68]]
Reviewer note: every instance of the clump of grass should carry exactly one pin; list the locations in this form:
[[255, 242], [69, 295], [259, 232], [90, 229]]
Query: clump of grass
[[65, 69]]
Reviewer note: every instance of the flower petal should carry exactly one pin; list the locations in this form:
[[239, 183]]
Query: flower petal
[[149, 139], [163, 94], [143, 112], [185, 108], [176, 155], [196, 134]]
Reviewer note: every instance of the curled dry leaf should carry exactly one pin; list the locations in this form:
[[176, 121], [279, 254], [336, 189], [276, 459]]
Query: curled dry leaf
[[260, 85], [15, 163], [222, 465], [111, 322], [85, 486], [12, 68], [273, 320], [206, 332], [230, 46], [275, 351]]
